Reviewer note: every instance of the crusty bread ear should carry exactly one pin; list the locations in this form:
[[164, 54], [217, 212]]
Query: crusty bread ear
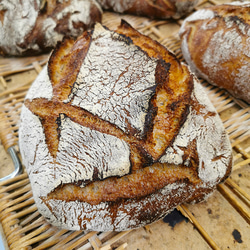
[[162, 9], [31, 27], [115, 132], [215, 43]]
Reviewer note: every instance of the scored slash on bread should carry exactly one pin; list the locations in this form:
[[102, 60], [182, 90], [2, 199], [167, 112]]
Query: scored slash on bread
[[115, 132]]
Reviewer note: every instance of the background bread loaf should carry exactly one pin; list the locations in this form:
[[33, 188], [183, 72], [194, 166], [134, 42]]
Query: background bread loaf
[[32, 26], [154, 9], [115, 132], [216, 45]]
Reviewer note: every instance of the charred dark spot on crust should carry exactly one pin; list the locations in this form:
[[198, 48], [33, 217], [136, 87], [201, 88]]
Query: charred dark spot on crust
[[127, 40], [148, 127], [43, 7], [58, 122], [162, 71]]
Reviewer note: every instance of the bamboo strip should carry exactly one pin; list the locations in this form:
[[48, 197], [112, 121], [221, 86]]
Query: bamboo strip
[[241, 164], [37, 67], [10, 98], [238, 190], [244, 122], [3, 82], [237, 157], [15, 201], [239, 140], [70, 237], [235, 203], [240, 134], [74, 243], [78, 242], [10, 219], [15, 185], [17, 207], [243, 152], [15, 105], [95, 242], [16, 66], [30, 218], [121, 247], [23, 88], [18, 192], [12, 181], [183, 209], [27, 240], [116, 238], [101, 236], [23, 230], [52, 240]]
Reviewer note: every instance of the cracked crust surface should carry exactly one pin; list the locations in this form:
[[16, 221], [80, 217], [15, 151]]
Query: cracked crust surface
[[115, 132]]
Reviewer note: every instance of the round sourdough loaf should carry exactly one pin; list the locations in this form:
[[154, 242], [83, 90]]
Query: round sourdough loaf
[[216, 45], [115, 132], [154, 9], [34, 26]]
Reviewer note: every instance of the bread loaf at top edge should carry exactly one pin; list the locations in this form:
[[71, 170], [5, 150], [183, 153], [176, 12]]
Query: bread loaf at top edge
[[162, 9], [216, 45]]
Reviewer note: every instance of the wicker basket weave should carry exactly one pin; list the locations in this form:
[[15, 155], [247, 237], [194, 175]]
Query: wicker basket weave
[[25, 228]]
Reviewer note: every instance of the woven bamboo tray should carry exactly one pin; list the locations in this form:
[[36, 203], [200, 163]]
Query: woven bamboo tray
[[220, 222]]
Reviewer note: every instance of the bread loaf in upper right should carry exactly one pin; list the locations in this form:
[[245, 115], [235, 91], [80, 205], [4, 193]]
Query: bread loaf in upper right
[[216, 45]]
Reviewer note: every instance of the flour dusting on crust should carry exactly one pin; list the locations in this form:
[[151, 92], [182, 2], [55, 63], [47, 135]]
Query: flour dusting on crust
[[42, 87], [128, 215], [83, 153], [224, 46], [29, 27], [117, 81], [87, 171], [21, 23], [204, 131]]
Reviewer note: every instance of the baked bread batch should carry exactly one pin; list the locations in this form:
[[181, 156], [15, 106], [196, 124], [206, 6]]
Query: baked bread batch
[[216, 45], [35, 26], [115, 133], [154, 9]]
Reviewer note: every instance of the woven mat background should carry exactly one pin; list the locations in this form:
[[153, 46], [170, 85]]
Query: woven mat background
[[221, 222]]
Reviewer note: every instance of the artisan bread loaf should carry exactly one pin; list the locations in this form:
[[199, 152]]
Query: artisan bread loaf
[[216, 45], [34, 26], [115, 132], [154, 9]]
